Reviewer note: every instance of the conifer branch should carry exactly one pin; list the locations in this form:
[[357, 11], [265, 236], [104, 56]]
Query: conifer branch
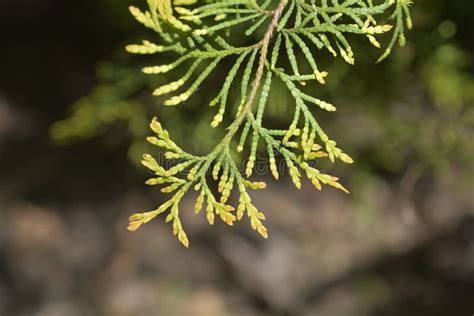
[[294, 28]]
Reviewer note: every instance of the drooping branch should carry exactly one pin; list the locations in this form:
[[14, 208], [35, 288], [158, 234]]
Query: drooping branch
[[299, 28]]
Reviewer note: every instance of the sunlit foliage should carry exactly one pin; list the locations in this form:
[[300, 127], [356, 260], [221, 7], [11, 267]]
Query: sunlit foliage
[[200, 34]]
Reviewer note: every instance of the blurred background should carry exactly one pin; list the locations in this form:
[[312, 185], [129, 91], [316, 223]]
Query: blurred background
[[74, 110]]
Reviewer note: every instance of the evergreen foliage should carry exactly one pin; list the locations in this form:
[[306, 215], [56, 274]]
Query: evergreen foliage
[[200, 33]]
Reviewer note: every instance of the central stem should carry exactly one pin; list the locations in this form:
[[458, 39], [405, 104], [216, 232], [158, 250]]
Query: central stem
[[263, 46]]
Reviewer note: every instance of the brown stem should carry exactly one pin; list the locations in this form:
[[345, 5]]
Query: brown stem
[[263, 46]]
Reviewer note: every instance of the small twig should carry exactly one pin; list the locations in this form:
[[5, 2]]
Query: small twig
[[263, 46]]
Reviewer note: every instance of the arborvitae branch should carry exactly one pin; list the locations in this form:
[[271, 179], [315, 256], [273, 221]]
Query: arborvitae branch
[[197, 33]]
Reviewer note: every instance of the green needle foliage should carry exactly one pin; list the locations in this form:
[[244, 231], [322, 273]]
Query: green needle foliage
[[199, 34]]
